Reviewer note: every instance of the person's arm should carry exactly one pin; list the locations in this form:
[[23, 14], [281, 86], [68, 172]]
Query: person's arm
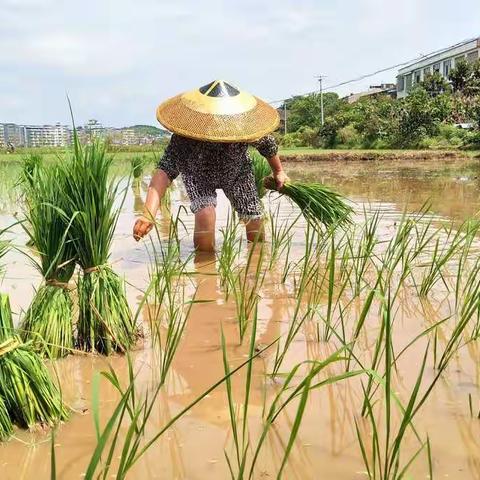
[[156, 190], [166, 172], [267, 147], [279, 174]]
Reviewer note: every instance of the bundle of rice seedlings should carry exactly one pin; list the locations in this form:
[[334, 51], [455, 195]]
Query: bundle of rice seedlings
[[30, 166], [6, 426], [137, 165], [261, 169], [26, 389], [105, 323], [49, 320], [319, 204]]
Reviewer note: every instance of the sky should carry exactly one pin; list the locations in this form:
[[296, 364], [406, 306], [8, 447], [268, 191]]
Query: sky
[[118, 59]]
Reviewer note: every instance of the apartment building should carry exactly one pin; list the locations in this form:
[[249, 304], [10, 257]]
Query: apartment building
[[47, 135], [12, 134], [441, 62]]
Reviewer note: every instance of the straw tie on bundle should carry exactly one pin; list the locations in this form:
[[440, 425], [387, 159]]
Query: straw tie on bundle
[[105, 322], [49, 320], [27, 394]]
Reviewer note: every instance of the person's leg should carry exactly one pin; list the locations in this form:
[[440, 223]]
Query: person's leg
[[203, 200], [243, 196], [255, 230], [204, 235]]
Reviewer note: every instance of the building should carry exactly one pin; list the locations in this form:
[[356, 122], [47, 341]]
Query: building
[[441, 62], [12, 134], [47, 135], [389, 89]]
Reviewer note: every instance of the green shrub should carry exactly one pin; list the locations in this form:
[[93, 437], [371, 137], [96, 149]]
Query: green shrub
[[349, 137]]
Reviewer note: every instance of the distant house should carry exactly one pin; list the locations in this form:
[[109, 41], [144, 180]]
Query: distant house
[[441, 62], [389, 89]]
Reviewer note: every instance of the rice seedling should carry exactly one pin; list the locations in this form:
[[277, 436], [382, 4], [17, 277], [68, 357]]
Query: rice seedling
[[261, 169], [132, 412], [245, 286], [361, 256], [229, 251], [165, 299], [439, 259], [137, 166], [48, 321], [319, 204], [6, 425], [31, 164], [281, 234], [105, 322], [26, 389], [384, 460], [470, 408], [295, 389]]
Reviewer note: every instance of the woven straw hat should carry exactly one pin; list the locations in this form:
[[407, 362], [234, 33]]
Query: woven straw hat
[[218, 112]]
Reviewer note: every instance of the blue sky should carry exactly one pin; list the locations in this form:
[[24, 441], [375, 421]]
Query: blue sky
[[117, 59]]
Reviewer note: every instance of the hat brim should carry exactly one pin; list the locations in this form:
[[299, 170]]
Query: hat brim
[[251, 125]]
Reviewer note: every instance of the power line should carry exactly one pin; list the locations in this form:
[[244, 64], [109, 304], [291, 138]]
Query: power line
[[382, 70]]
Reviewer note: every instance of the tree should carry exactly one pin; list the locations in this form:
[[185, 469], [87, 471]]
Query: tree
[[305, 111], [435, 84], [419, 116], [460, 75]]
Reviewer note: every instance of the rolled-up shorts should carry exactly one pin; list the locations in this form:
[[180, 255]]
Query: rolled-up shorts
[[240, 191]]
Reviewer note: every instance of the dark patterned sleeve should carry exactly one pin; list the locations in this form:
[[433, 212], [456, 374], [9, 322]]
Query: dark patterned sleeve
[[266, 146], [168, 163]]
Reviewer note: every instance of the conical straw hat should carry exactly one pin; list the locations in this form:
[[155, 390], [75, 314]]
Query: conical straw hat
[[218, 112]]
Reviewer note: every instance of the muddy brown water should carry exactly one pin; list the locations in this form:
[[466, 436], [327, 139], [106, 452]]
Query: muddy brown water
[[326, 447]]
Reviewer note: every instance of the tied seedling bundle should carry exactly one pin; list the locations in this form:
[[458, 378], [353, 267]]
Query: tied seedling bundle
[[318, 203], [105, 323], [27, 392], [49, 320]]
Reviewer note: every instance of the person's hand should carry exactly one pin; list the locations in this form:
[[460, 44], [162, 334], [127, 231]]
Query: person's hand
[[141, 228], [280, 179]]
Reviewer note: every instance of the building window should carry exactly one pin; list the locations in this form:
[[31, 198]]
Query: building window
[[436, 68], [426, 72], [447, 66], [418, 76], [400, 83], [408, 82], [472, 56]]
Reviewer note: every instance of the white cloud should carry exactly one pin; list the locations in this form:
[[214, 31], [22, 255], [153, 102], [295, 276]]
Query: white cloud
[[118, 58]]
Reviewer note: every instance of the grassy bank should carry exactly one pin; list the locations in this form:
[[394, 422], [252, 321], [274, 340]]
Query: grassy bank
[[303, 154], [316, 154]]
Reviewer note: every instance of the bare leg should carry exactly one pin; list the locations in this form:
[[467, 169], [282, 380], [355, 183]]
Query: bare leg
[[255, 230], [204, 235]]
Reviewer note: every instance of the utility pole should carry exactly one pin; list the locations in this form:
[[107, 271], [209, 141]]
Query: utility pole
[[320, 78]]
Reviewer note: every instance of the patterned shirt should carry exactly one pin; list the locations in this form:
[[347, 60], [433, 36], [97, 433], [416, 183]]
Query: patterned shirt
[[208, 166]]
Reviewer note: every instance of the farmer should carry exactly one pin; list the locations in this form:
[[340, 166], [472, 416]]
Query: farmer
[[212, 129]]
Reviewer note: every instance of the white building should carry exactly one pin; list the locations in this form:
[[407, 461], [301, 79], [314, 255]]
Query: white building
[[12, 134], [47, 135], [441, 62]]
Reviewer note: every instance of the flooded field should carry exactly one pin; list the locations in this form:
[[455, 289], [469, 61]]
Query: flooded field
[[378, 325]]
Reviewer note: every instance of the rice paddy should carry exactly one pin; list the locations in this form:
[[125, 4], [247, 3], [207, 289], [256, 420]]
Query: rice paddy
[[345, 352]]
